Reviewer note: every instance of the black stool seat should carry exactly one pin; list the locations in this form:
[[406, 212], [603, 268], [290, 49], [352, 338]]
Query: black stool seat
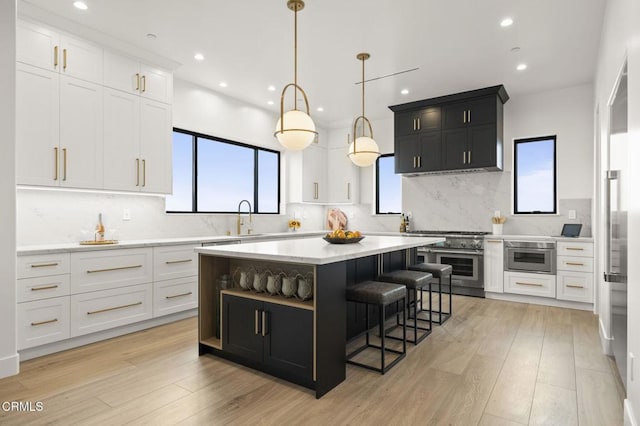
[[414, 281], [437, 269], [381, 294], [376, 292], [410, 279]]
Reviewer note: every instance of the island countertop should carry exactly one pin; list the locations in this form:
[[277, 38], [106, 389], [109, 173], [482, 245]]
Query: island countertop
[[316, 251]]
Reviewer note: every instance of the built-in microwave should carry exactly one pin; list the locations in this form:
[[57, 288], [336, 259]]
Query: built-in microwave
[[537, 257]]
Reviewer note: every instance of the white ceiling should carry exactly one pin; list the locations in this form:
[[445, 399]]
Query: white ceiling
[[457, 44]]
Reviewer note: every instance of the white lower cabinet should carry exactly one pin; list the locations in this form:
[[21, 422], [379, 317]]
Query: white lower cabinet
[[37, 288], [575, 271], [175, 295], [43, 321], [171, 262], [530, 284], [101, 310], [575, 286], [493, 266]]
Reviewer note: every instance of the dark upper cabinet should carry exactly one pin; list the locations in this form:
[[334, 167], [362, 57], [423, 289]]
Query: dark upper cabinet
[[453, 132], [276, 336]]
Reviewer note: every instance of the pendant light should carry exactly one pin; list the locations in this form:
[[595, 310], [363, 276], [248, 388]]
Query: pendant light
[[363, 151], [295, 129]]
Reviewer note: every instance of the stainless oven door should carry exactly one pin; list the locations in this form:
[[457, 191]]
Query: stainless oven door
[[527, 259]]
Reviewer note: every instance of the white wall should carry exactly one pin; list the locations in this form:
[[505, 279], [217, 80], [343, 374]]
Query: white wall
[[620, 39], [54, 216], [9, 360]]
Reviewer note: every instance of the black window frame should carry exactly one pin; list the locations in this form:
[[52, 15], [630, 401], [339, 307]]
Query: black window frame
[[194, 182], [555, 174], [378, 186]]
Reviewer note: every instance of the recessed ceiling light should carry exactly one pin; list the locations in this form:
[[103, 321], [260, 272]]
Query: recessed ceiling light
[[320, 109], [152, 36], [521, 67], [405, 91], [223, 84], [198, 57], [269, 102], [80, 5], [271, 88], [506, 22]]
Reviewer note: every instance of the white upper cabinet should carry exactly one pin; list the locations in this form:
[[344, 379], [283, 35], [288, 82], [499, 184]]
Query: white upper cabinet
[[343, 177], [131, 76], [155, 147], [44, 48], [307, 175]]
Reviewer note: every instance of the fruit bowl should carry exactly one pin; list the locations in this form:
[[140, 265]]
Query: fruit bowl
[[337, 240]]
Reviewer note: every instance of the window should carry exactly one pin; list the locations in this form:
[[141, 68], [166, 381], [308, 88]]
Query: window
[[212, 175], [534, 171], [388, 186]]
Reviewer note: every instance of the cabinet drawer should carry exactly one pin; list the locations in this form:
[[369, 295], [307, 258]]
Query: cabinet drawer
[[530, 284], [102, 270], [42, 265], [43, 321], [38, 288], [174, 262], [575, 249], [101, 310], [176, 295], [575, 286], [576, 264]]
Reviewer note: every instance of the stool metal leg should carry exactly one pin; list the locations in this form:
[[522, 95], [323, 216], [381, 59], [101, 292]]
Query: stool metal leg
[[382, 333]]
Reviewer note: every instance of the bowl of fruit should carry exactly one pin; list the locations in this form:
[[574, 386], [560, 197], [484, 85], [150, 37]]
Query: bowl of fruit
[[340, 236]]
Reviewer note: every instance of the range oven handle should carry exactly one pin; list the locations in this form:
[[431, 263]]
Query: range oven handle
[[468, 252]]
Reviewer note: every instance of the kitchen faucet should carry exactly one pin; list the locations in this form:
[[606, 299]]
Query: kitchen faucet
[[239, 221]]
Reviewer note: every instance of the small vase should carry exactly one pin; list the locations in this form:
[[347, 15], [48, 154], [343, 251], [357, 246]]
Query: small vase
[[497, 229]]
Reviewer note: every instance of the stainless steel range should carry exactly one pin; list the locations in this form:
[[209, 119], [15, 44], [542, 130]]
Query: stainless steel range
[[464, 251]]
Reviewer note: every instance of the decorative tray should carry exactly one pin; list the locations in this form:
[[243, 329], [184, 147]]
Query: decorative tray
[[342, 240], [97, 243]]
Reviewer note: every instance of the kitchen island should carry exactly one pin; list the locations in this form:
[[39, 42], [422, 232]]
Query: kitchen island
[[245, 315]]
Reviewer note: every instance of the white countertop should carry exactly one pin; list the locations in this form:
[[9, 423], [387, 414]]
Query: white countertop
[[316, 251], [74, 247], [538, 238]]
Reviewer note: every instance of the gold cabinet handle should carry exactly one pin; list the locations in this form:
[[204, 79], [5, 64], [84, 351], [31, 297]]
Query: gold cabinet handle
[[574, 263], [419, 161], [348, 190], [48, 287], [137, 172], [257, 321], [64, 163], [494, 241], [414, 124], [55, 56], [532, 284], [574, 286], [575, 248], [173, 262], [35, 324], [414, 161], [464, 157], [137, 81], [264, 323], [419, 124], [44, 265], [119, 268], [114, 308], [144, 172], [315, 190], [64, 59], [468, 116], [464, 117], [55, 163], [144, 83], [469, 157], [179, 295]]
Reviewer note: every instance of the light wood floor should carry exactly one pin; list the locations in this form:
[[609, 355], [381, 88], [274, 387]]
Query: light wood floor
[[493, 363]]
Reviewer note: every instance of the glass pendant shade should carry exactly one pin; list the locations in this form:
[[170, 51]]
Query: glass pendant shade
[[367, 151], [296, 130]]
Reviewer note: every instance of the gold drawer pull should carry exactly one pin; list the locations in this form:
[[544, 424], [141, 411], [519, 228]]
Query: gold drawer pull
[[49, 287], [575, 248], [179, 295], [574, 286], [533, 284], [115, 308], [44, 265], [173, 262], [35, 324], [93, 271], [494, 241], [574, 264]]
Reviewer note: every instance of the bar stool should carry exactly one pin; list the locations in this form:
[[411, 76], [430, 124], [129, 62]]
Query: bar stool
[[381, 294], [438, 271], [413, 281]]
